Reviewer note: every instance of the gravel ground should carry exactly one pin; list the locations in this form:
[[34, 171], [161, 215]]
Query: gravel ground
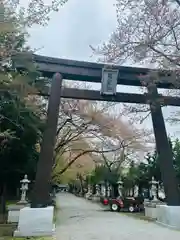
[[80, 219]]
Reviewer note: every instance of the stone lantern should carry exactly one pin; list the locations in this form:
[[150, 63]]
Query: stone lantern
[[14, 209], [24, 188], [154, 184]]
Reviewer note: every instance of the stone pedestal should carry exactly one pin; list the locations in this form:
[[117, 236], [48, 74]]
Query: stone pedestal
[[151, 209], [151, 212], [13, 213], [169, 216], [35, 222]]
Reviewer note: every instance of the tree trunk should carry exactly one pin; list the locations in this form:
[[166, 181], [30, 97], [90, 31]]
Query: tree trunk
[[114, 191], [139, 190], [3, 202], [81, 185]]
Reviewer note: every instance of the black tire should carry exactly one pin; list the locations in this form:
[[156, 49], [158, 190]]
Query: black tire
[[114, 207], [131, 209]]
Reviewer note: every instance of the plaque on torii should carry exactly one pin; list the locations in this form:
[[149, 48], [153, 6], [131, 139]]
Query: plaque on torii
[[109, 81]]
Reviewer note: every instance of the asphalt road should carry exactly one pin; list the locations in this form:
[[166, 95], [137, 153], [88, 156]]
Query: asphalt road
[[80, 219]]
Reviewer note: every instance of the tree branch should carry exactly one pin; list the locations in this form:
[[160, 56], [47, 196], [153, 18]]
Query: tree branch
[[83, 153]]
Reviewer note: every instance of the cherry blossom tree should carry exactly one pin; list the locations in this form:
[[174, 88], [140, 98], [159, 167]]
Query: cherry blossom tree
[[147, 33], [86, 130]]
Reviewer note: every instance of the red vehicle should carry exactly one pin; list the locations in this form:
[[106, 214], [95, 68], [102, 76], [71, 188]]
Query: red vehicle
[[117, 204]]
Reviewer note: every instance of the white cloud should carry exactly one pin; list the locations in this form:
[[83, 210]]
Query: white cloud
[[77, 25]]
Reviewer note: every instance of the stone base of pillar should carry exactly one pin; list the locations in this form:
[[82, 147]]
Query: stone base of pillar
[[169, 216], [34, 222], [151, 208]]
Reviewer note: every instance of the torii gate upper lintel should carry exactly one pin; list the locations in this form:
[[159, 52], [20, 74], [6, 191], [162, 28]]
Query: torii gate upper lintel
[[92, 72]]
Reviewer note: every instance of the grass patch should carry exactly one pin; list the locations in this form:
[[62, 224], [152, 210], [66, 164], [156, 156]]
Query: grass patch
[[139, 215]]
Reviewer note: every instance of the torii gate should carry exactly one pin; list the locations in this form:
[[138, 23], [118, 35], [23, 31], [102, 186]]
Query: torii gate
[[61, 69]]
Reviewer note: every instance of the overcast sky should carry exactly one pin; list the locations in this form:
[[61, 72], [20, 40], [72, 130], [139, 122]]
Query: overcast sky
[[77, 25]]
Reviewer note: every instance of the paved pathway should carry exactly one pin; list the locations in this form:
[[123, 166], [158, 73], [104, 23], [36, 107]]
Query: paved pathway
[[80, 219]]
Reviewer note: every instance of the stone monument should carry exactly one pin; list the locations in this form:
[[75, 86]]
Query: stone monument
[[151, 209], [33, 222], [97, 190], [154, 185], [103, 189], [136, 191], [96, 196], [120, 187], [108, 190], [89, 192]]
